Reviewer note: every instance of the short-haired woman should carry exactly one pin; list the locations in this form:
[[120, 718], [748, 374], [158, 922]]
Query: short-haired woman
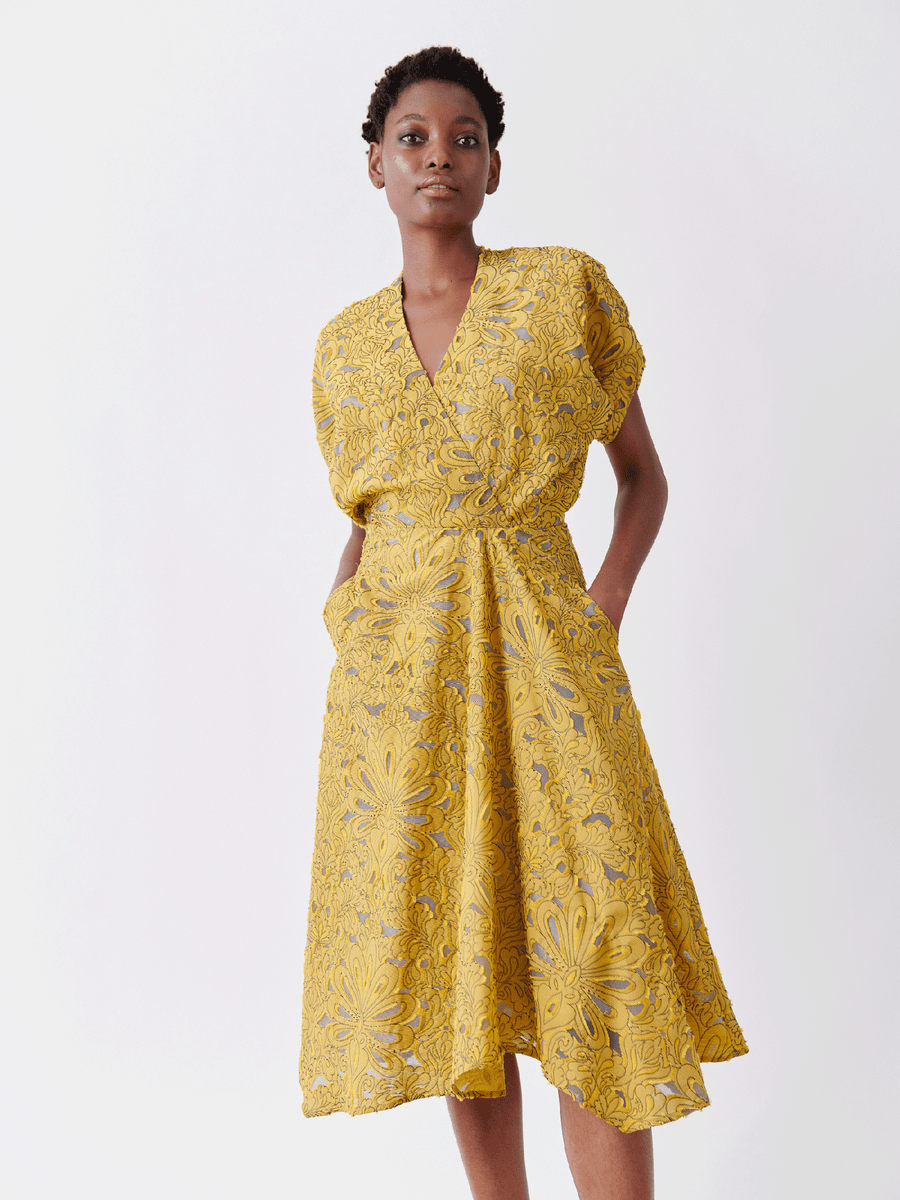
[[495, 870]]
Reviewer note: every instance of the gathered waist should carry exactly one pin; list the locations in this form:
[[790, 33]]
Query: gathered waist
[[547, 550], [399, 525]]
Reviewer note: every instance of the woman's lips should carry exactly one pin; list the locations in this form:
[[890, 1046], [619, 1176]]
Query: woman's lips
[[437, 187]]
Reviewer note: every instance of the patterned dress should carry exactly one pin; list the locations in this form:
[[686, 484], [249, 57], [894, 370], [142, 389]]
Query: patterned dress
[[495, 869]]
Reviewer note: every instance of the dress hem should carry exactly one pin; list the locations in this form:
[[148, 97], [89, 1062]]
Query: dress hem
[[624, 1127]]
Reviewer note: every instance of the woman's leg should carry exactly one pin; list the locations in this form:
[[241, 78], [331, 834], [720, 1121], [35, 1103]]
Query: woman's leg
[[605, 1163], [489, 1136]]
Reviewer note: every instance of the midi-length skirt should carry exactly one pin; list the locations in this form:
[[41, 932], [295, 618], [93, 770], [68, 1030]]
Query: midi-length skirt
[[495, 868]]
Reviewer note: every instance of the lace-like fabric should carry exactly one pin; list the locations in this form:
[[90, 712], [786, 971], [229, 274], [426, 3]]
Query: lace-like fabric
[[495, 868]]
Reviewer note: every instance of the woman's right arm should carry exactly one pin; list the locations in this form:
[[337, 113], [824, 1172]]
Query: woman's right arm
[[350, 557]]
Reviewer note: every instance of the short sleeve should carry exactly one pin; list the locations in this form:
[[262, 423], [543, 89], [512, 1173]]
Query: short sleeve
[[332, 432], [323, 414], [613, 349]]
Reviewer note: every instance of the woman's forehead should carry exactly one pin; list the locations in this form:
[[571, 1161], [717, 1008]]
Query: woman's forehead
[[415, 101]]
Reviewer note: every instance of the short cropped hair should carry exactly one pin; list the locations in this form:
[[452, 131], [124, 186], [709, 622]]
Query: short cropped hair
[[443, 63]]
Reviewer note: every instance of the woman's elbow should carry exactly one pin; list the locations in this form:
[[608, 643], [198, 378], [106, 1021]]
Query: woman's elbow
[[662, 486]]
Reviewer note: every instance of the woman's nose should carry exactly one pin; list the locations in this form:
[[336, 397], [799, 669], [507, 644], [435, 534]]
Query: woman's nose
[[440, 157]]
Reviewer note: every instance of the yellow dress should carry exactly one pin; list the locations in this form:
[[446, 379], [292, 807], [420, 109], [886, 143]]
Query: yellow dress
[[495, 868]]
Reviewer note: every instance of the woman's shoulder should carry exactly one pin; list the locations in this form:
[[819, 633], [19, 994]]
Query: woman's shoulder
[[360, 317], [573, 271], [548, 258]]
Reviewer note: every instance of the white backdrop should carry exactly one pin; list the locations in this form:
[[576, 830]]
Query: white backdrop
[[184, 206]]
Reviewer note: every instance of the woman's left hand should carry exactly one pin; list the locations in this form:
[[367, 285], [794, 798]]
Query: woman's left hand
[[613, 610]]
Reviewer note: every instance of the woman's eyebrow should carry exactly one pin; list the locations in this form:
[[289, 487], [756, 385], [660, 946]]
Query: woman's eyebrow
[[456, 120]]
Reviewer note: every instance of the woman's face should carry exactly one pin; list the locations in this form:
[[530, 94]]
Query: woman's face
[[433, 160]]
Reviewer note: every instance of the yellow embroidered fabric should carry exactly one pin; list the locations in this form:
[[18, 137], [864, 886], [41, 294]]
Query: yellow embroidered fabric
[[495, 868]]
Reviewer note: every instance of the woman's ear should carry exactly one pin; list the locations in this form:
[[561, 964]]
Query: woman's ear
[[375, 172], [493, 179]]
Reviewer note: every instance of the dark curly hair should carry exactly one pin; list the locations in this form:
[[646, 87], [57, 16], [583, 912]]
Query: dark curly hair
[[437, 62]]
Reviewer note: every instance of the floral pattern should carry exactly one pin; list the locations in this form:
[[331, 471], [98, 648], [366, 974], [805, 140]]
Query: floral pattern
[[495, 868]]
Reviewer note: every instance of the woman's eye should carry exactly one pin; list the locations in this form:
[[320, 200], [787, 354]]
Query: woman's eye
[[408, 138], [468, 139]]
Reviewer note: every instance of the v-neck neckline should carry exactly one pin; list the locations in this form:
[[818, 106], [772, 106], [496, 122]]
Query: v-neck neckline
[[448, 353]]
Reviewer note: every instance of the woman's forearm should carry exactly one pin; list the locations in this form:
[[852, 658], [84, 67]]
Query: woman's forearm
[[640, 505], [350, 556]]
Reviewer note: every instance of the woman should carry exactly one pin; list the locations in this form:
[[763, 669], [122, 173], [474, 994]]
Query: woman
[[495, 871]]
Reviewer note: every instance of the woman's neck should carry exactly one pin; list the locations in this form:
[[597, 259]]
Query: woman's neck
[[435, 260]]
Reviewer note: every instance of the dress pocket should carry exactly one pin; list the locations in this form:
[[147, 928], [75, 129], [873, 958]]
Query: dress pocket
[[591, 634], [593, 611], [338, 604]]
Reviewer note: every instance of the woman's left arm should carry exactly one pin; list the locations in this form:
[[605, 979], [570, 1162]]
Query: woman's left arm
[[640, 504]]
